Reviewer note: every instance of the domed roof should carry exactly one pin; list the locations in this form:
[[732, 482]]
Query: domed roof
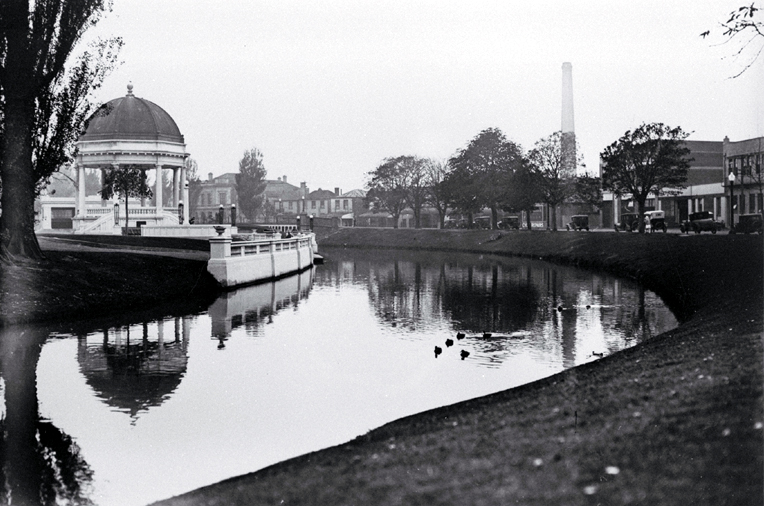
[[131, 118]]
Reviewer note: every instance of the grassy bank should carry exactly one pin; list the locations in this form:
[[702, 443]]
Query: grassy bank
[[71, 284], [674, 420]]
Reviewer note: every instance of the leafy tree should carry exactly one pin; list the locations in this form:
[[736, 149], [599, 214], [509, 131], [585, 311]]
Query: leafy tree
[[126, 183], [436, 175], [387, 187], [250, 183], [587, 190], [652, 159], [486, 164], [43, 106], [523, 192], [554, 160], [744, 27]]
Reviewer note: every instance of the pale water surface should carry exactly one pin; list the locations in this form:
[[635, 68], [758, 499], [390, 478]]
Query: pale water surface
[[133, 414]]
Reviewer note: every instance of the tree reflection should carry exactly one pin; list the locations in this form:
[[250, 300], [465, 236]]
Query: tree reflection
[[40, 464], [567, 313]]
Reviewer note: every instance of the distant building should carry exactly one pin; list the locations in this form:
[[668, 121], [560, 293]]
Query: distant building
[[744, 159], [211, 195], [282, 203]]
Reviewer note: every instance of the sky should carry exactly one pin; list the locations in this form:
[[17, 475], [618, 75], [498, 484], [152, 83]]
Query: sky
[[327, 89]]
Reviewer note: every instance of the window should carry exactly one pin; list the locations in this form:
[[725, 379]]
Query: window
[[344, 204], [312, 204], [221, 198], [751, 203], [336, 204], [322, 203], [290, 205]]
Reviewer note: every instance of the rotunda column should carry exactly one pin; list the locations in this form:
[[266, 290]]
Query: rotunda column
[[81, 211], [104, 200], [184, 189], [158, 194], [143, 180], [175, 187]]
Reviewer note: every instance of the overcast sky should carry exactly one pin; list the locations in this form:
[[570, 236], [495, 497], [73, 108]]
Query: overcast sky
[[327, 89]]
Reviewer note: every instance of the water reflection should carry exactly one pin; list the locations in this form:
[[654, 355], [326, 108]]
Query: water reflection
[[510, 299], [253, 306], [135, 367], [40, 463], [280, 369]]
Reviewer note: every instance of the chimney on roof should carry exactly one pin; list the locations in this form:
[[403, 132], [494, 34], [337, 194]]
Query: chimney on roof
[[209, 176], [284, 179], [278, 179], [337, 191]]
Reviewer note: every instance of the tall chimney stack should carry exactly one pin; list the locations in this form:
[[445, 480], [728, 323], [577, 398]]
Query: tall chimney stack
[[568, 129]]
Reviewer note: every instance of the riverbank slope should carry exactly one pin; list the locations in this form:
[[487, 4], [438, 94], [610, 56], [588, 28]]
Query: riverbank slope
[[674, 420], [94, 277]]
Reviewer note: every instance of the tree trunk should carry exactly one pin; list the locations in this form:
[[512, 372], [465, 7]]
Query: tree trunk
[[17, 237], [17, 220], [19, 354], [554, 218], [127, 214], [494, 218], [417, 217], [528, 218]]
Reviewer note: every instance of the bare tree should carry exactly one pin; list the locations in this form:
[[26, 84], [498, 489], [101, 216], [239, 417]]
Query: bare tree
[[744, 28], [387, 187], [554, 160], [437, 197]]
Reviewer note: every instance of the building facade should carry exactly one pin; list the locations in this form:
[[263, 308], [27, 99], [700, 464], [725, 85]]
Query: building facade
[[743, 161]]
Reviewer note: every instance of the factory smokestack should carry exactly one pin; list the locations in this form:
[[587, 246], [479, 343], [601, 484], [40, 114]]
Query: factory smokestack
[[568, 129]]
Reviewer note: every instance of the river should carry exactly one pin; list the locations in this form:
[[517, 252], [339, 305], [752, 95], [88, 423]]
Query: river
[[130, 414]]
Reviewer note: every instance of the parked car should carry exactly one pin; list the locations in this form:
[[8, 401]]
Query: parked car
[[657, 220], [510, 223], [748, 224], [699, 222], [483, 222], [578, 222], [629, 223]]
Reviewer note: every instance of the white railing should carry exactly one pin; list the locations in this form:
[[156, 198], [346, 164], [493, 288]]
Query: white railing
[[247, 248], [235, 263]]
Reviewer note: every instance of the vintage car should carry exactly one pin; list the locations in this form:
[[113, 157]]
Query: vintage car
[[629, 222], [578, 222], [510, 223], [657, 220], [699, 222], [748, 224]]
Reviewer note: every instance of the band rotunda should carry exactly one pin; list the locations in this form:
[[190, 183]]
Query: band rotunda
[[131, 132]]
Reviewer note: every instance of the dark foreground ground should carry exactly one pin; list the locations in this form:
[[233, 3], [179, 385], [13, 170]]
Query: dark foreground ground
[[674, 420]]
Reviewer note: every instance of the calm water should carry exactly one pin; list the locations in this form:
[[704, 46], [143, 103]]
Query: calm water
[[132, 414]]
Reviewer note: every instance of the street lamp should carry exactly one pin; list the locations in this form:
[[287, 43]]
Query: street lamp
[[180, 212], [731, 179], [116, 213], [233, 215]]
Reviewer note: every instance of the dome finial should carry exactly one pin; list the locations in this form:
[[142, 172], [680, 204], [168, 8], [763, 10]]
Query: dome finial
[[130, 88]]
